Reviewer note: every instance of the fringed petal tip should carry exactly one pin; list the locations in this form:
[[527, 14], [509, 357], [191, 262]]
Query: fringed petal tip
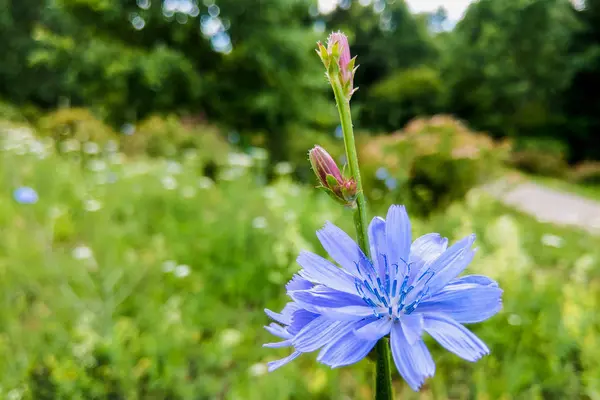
[[273, 365]]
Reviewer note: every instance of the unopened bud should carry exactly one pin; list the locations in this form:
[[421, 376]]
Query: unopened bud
[[341, 189], [339, 49], [344, 52]]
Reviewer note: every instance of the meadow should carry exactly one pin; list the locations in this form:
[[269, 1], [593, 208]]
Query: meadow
[[142, 278]]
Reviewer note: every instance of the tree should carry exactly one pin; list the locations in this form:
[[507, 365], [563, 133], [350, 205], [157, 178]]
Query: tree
[[580, 99], [506, 64]]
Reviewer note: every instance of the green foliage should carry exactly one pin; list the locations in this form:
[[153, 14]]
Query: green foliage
[[404, 95], [270, 79], [100, 304], [430, 164], [9, 112], [507, 63], [545, 157], [523, 68], [581, 105], [75, 123], [170, 137], [587, 173]]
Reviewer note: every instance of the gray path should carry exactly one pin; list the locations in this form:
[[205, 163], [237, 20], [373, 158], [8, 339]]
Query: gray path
[[549, 205]]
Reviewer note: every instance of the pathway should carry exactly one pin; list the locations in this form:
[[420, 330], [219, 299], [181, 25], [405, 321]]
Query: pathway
[[548, 205]]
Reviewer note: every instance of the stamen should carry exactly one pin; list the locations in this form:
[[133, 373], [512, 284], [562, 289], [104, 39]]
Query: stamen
[[387, 284], [412, 306], [358, 287], [385, 303], [357, 268], [369, 288]]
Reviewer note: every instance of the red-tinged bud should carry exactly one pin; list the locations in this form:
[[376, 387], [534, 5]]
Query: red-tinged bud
[[341, 189], [338, 49], [344, 54], [323, 164]]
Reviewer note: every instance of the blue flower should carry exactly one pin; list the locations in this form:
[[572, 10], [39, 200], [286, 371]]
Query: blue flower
[[381, 173], [407, 289], [25, 195]]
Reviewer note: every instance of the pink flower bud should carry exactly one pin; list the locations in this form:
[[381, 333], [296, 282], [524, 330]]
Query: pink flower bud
[[329, 175], [344, 51], [338, 48], [323, 164]]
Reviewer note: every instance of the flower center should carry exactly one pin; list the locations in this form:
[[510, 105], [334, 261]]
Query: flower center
[[394, 296]]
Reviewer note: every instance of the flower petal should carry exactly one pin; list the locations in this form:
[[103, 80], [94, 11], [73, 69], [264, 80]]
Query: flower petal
[[454, 337], [398, 238], [344, 251], [474, 280], [285, 317], [412, 326], [320, 332], [429, 246], [443, 277], [414, 362], [298, 283], [319, 270], [465, 303], [323, 296], [346, 351], [424, 250], [332, 303], [377, 242], [451, 263], [278, 330], [299, 320], [375, 329], [452, 252], [276, 345], [273, 365], [350, 313]]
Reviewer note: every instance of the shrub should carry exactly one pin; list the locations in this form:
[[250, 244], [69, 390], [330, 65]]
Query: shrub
[[397, 99], [75, 123], [429, 164], [540, 156], [587, 173], [159, 136], [10, 113]]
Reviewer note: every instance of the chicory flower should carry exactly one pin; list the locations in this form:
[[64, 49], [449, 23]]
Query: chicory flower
[[407, 289]]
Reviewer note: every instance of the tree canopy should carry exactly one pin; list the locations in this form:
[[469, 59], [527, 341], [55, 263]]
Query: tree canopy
[[522, 68]]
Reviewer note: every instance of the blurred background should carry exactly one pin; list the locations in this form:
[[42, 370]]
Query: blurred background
[[155, 188]]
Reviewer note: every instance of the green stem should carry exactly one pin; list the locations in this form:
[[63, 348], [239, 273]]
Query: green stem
[[383, 382], [360, 213]]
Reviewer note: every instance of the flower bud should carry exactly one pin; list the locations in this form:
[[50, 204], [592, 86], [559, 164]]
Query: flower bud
[[341, 189], [337, 61], [344, 54]]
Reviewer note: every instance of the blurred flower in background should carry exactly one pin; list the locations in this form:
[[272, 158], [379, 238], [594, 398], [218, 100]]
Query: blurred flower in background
[[25, 195]]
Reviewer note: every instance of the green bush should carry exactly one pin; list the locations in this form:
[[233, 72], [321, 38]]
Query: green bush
[[429, 164], [159, 136], [540, 156], [75, 123], [586, 173], [11, 113], [404, 95]]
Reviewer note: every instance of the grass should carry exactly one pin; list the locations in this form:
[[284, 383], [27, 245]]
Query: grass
[[143, 279]]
